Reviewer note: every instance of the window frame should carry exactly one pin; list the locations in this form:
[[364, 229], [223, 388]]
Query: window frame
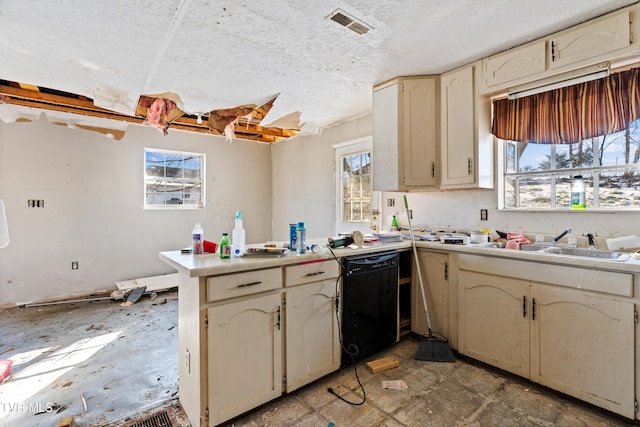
[[201, 181], [594, 171], [356, 146]]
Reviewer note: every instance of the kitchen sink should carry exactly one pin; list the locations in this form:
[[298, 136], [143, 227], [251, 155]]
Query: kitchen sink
[[579, 252], [533, 247], [589, 253]]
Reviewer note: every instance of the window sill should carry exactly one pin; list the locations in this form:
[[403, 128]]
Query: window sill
[[566, 210]]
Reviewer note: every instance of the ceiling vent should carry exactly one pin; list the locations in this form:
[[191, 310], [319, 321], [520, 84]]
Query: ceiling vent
[[348, 21]]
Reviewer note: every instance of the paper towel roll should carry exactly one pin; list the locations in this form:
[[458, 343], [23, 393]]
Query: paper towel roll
[[624, 242]]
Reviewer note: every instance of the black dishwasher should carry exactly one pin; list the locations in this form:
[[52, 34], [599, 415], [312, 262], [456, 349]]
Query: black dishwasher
[[369, 304]]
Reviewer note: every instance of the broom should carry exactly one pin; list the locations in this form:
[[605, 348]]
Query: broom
[[430, 347]]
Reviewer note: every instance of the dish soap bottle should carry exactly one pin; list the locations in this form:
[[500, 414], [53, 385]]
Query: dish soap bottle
[[198, 239], [578, 193], [225, 246], [237, 237], [394, 224]]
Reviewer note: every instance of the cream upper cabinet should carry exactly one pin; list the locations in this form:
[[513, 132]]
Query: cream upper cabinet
[[466, 144], [515, 65], [607, 38], [593, 41], [405, 131], [556, 326]]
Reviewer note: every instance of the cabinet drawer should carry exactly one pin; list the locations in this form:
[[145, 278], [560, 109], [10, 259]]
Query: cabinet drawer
[[312, 272], [610, 282], [236, 285]]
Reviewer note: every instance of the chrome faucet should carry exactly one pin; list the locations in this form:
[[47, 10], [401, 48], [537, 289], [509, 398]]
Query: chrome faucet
[[561, 235]]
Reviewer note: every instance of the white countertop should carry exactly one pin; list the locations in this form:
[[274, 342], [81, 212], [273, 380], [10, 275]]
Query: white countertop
[[210, 264]]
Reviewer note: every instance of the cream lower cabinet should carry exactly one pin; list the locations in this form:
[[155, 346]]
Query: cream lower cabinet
[[244, 356], [312, 335], [434, 269], [246, 338], [575, 341]]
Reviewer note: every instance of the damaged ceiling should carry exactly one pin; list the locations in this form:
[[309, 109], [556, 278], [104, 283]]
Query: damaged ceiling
[[293, 63]]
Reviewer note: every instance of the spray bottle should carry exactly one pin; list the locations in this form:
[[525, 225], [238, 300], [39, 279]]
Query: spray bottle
[[237, 237]]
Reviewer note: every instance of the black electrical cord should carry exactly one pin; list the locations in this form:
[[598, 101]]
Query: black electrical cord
[[353, 349]]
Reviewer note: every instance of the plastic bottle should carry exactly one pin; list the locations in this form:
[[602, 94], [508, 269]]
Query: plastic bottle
[[198, 239], [578, 193], [394, 224], [301, 237], [293, 239], [225, 246], [237, 237]]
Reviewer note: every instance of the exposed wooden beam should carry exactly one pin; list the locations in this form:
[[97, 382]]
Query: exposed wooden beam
[[31, 96]]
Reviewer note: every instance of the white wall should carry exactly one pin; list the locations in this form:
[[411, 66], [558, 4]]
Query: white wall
[[304, 179], [93, 192]]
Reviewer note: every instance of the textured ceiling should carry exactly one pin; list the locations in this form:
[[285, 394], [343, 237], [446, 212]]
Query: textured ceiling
[[222, 54]]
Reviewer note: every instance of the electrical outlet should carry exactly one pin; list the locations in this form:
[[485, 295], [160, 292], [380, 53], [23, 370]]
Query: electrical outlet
[[35, 203], [74, 265], [391, 202], [484, 215], [410, 212]]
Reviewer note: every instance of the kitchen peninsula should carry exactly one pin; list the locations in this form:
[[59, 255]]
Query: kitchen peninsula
[[253, 328]]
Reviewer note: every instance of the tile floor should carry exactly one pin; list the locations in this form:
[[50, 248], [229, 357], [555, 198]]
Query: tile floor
[[464, 393], [123, 361]]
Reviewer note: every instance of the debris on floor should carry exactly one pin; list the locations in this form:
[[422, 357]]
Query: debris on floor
[[5, 368], [65, 421], [394, 385], [383, 364], [133, 296]]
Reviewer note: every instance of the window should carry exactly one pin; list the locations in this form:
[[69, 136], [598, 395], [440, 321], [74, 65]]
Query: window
[[173, 179], [353, 186], [539, 175], [355, 198]]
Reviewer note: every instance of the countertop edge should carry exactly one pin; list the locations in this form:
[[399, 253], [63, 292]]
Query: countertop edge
[[210, 264]]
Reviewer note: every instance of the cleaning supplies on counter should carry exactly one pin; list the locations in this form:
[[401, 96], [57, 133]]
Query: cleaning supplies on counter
[[293, 238], [394, 224], [578, 193], [301, 237], [198, 239], [225, 246], [237, 237]]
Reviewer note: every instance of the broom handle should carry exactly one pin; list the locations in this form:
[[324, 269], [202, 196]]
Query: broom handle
[[415, 254]]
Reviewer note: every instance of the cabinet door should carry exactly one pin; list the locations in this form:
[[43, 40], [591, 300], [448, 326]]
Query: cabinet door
[[419, 132], [433, 268], [494, 323], [387, 174], [312, 336], [582, 345], [458, 137], [245, 356], [514, 65], [590, 41]]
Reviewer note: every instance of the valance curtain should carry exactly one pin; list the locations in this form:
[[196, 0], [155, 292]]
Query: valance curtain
[[571, 114]]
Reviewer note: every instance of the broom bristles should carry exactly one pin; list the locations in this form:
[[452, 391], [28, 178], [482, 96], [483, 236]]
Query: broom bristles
[[433, 349]]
